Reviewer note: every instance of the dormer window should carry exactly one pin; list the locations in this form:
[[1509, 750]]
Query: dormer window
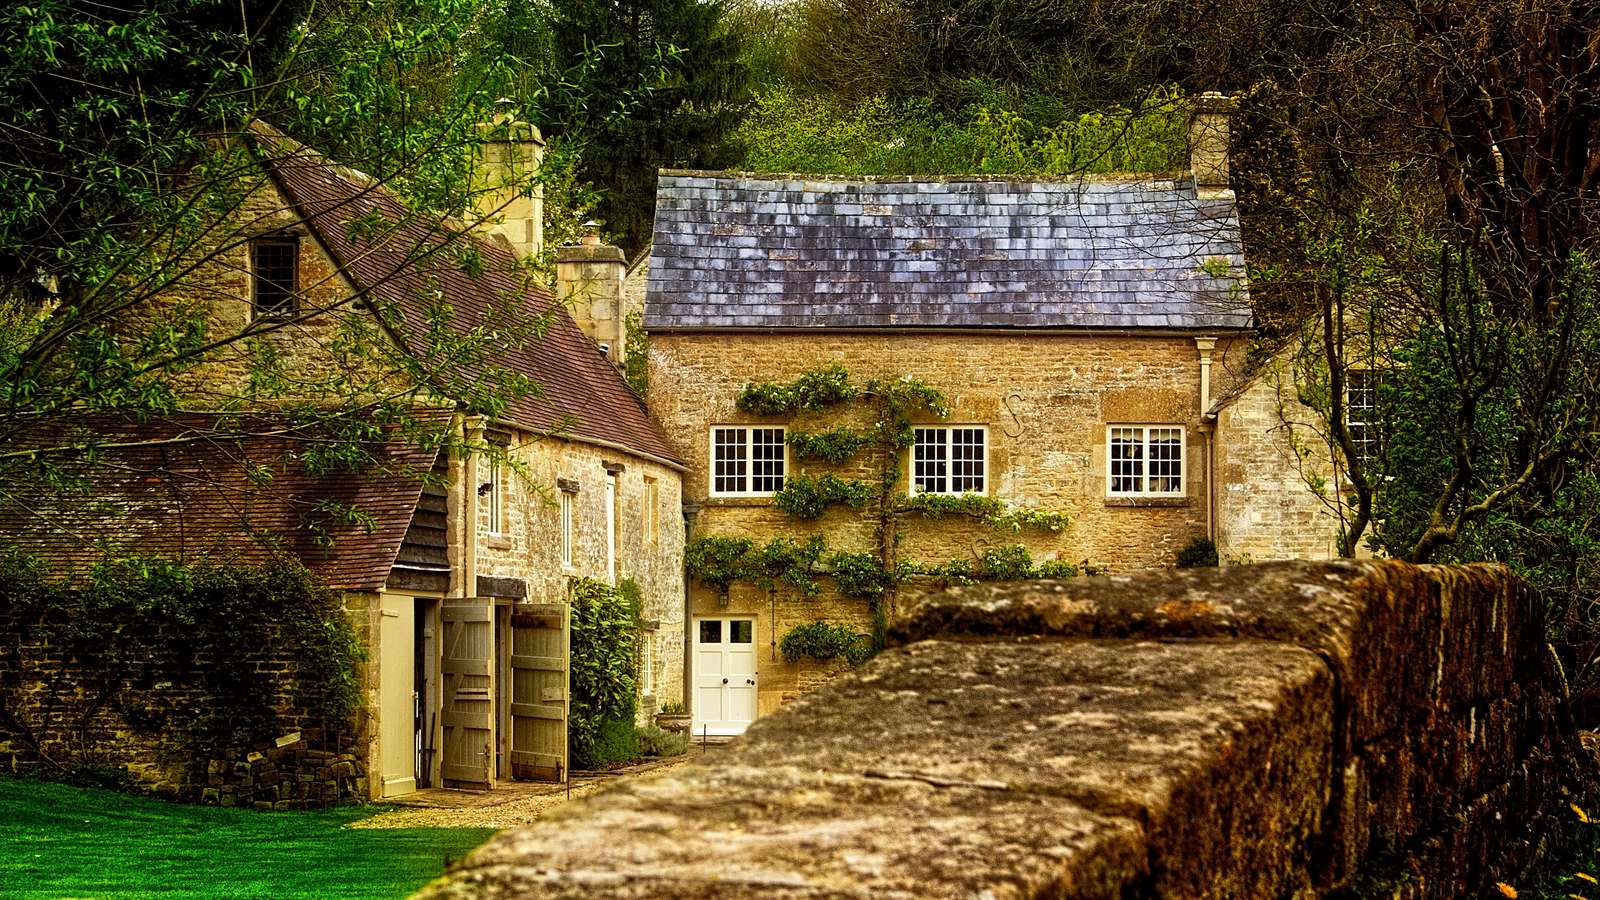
[[274, 275]]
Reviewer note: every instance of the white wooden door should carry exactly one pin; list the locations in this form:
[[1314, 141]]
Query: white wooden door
[[724, 675], [467, 668], [397, 694], [539, 691]]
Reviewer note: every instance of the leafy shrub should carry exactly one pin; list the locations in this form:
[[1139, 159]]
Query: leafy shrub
[[717, 561], [817, 389], [826, 641], [615, 742], [674, 708], [808, 497], [133, 628], [605, 667], [834, 445], [857, 574], [1198, 552], [655, 741]]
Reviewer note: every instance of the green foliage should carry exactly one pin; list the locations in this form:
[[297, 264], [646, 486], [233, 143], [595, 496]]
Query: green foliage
[[636, 361], [808, 497], [605, 667], [716, 561], [135, 622], [676, 62], [1009, 562], [834, 445], [1198, 552], [988, 510], [788, 132], [814, 390], [674, 708], [653, 741], [826, 641], [858, 574]]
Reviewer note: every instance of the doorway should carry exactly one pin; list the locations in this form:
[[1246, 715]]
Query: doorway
[[724, 675]]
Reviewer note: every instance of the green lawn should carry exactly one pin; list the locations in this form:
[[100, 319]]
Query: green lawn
[[59, 841]]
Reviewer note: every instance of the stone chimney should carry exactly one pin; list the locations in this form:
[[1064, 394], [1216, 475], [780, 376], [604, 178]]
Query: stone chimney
[[1208, 142], [589, 278], [504, 193]]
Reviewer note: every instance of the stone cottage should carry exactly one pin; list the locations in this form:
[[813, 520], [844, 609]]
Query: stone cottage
[[1090, 335], [452, 581]]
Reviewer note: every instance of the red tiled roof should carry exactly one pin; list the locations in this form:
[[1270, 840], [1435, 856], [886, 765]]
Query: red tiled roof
[[198, 490], [405, 264]]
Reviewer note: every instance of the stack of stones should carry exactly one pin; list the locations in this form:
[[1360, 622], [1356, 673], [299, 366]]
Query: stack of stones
[[289, 777]]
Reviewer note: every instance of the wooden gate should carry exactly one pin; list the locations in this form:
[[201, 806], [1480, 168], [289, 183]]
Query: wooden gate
[[467, 651], [539, 689]]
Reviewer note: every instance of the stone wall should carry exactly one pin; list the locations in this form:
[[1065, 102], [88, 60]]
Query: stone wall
[[1266, 508], [527, 544], [1046, 400], [59, 713], [1293, 729]]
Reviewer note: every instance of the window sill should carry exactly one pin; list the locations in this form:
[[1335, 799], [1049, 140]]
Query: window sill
[[1147, 502], [499, 542], [760, 500]]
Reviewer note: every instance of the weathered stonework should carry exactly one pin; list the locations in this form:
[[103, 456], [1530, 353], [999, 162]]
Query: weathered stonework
[[1046, 400], [1310, 729]]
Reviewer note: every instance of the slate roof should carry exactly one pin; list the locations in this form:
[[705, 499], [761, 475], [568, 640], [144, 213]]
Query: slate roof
[[749, 251], [199, 490], [580, 394]]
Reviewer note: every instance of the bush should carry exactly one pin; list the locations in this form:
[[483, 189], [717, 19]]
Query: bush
[[655, 741], [605, 666], [1198, 552], [825, 641]]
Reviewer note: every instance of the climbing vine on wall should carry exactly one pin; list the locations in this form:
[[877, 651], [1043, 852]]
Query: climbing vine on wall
[[875, 448]]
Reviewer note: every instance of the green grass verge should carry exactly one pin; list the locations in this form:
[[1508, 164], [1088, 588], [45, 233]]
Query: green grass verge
[[61, 841]]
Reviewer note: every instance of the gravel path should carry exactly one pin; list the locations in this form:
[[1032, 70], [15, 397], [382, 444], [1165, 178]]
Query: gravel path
[[528, 807]]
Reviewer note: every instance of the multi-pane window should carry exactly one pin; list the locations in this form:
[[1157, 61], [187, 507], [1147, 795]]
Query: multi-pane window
[[647, 662], [746, 461], [650, 512], [1144, 460], [1361, 411], [497, 494], [274, 275], [949, 461], [566, 527]]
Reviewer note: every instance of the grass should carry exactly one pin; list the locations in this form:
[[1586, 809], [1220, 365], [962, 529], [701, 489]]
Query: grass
[[61, 841]]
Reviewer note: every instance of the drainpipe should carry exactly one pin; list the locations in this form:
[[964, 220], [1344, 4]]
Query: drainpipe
[[1208, 427], [690, 511]]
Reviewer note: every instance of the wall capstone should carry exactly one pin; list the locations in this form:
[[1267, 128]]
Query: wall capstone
[[1297, 729]]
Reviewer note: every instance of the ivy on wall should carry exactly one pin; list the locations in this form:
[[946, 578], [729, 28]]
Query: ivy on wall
[[206, 657], [874, 575]]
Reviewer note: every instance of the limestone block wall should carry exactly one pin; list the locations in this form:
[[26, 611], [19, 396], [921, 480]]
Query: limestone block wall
[[1266, 508], [1291, 729], [54, 712], [1045, 399], [526, 544]]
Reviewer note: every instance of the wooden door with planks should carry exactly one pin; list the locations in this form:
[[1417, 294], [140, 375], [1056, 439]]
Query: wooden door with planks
[[467, 668], [539, 690]]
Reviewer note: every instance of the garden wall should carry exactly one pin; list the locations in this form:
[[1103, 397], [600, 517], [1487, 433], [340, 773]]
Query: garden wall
[[1294, 729], [143, 704]]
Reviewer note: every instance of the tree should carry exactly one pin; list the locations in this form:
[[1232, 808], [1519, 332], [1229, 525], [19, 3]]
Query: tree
[[682, 64], [140, 136]]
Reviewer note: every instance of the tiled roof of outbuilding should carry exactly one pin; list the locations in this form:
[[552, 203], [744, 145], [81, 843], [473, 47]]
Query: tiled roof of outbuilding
[[750, 251], [579, 393], [196, 489]]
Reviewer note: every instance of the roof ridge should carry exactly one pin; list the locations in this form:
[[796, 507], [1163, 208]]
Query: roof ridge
[[1176, 175]]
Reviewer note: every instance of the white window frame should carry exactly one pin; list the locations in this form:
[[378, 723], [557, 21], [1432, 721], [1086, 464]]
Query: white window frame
[[647, 662], [1362, 417], [949, 455], [650, 503], [611, 527], [1144, 460], [568, 499], [749, 459], [497, 500]]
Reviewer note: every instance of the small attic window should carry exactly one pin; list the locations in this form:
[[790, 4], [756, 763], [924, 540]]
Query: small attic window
[[274, 275]]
